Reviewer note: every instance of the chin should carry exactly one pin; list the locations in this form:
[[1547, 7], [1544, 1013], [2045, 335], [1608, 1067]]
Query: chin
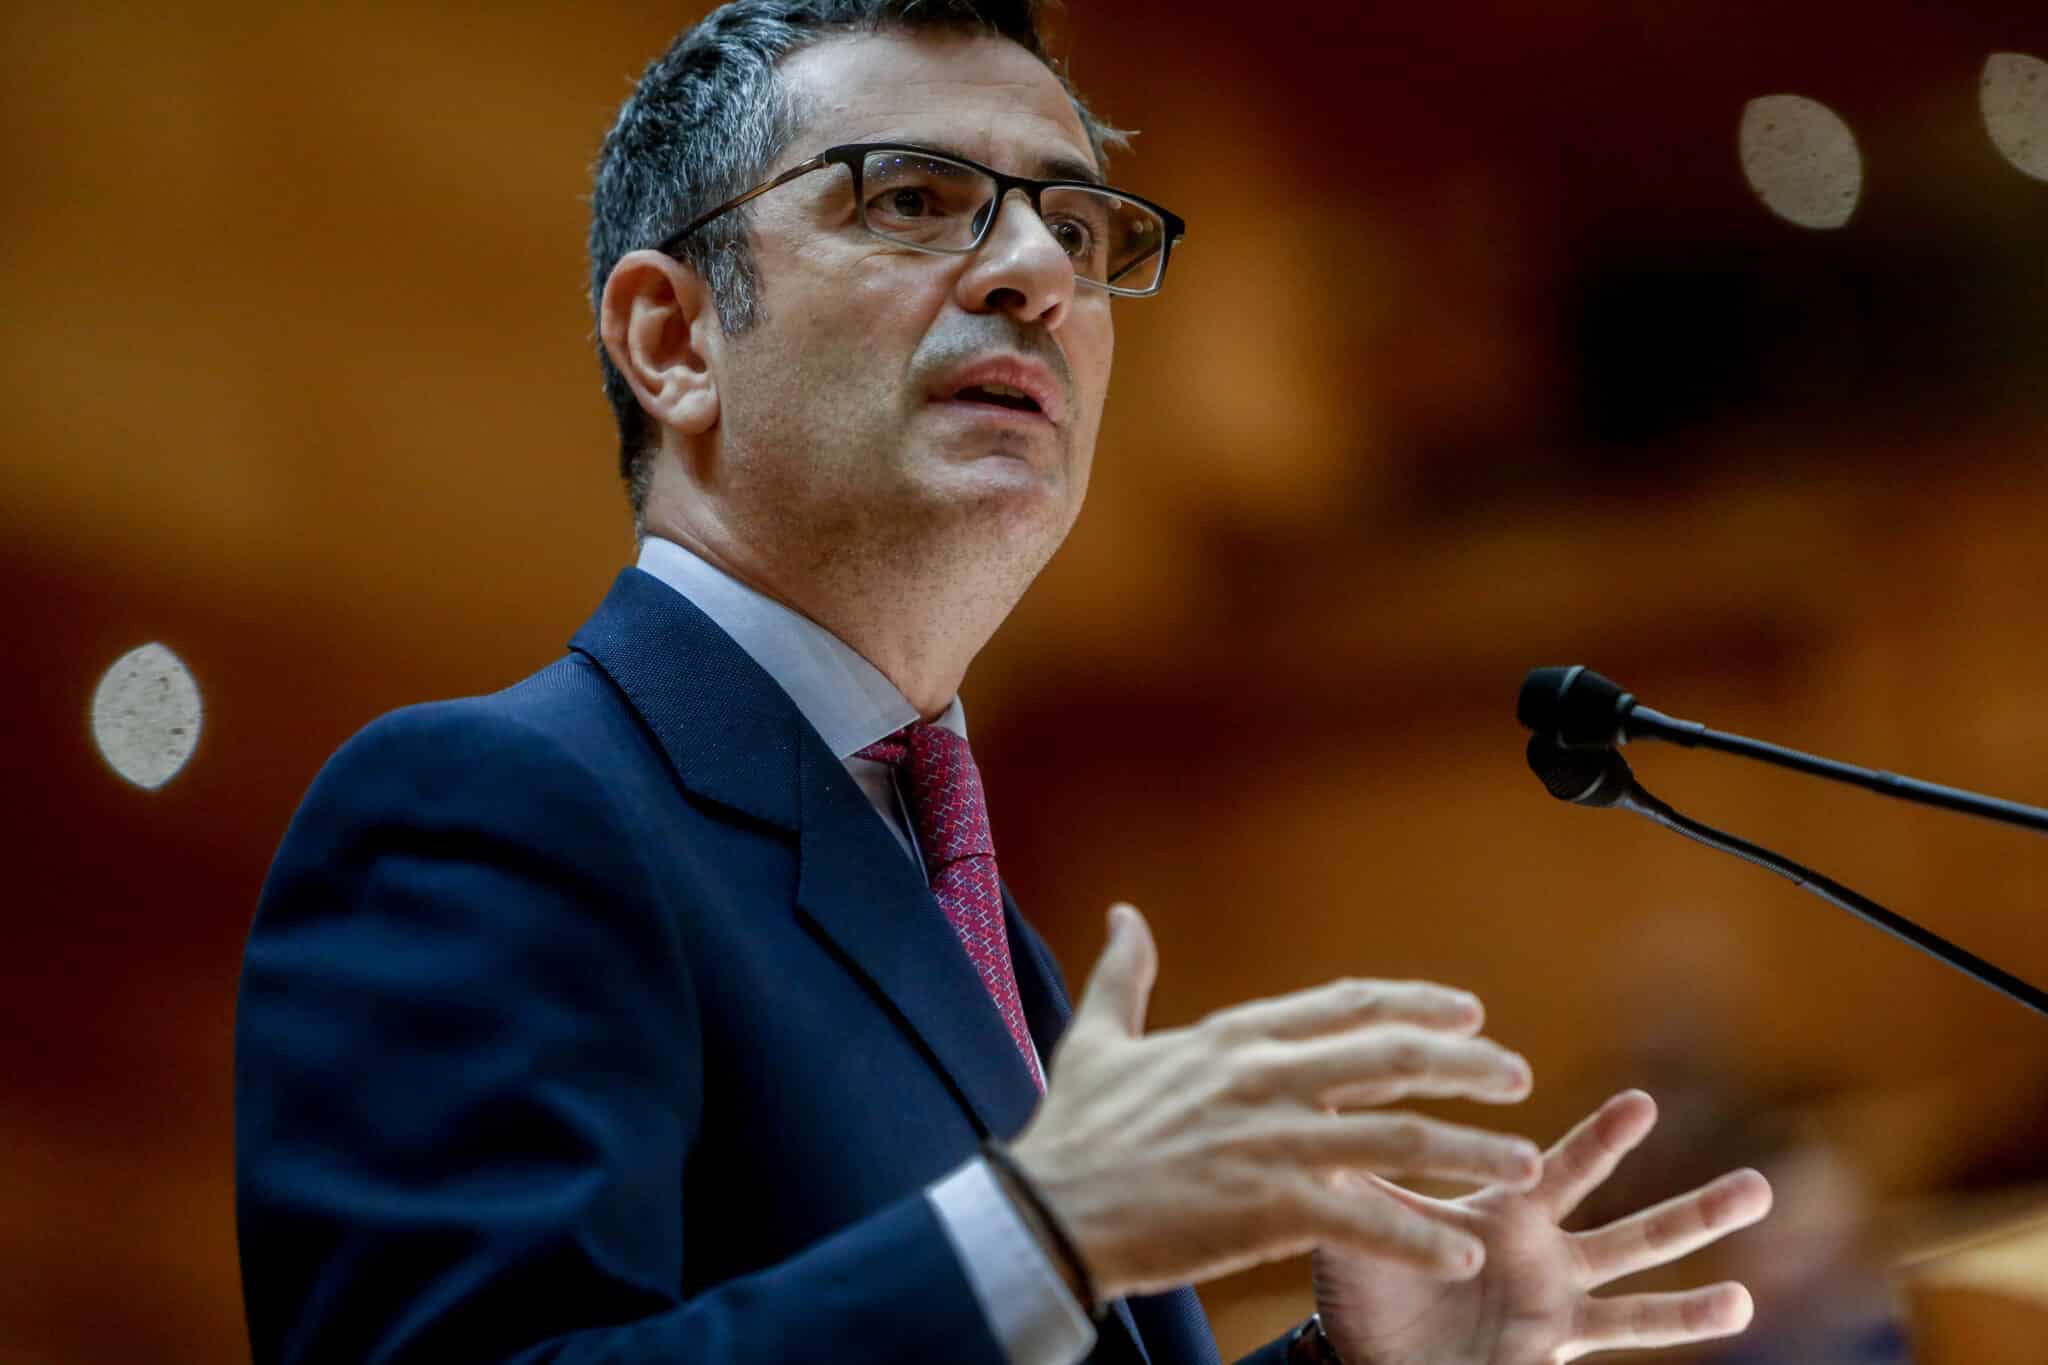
[[994, 466], [1000, 500], [1009, 483]]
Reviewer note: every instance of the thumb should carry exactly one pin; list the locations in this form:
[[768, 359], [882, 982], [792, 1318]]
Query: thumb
[[1367, 1185], [1120, 987]]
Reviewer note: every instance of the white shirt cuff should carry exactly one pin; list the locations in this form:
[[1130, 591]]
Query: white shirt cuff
[[1029, 1308]]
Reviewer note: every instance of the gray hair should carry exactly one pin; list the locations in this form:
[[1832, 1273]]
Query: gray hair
[[705, 123]]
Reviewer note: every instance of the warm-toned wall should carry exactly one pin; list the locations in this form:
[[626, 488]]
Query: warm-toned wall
[[1480, 355]]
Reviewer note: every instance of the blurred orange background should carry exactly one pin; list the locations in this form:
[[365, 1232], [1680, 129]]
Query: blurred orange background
[[1481, 354]]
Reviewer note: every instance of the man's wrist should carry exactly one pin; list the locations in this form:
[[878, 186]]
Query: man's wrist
[[1052, 1239]]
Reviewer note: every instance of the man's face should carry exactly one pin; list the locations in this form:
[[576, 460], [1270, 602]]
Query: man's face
[[850, 418]]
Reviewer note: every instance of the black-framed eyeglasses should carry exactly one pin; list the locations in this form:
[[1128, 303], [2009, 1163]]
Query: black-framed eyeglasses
[[944, 204]]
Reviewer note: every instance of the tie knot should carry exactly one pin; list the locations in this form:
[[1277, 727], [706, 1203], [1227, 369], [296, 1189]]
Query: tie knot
[[944, 790]]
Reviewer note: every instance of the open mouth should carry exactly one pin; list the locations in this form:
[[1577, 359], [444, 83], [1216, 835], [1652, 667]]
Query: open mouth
[[1001, 396]]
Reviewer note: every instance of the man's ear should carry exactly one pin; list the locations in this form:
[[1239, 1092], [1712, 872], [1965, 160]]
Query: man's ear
[[660, 326]]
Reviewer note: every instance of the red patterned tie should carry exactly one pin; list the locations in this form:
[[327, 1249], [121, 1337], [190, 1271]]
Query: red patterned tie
[[960, 859]]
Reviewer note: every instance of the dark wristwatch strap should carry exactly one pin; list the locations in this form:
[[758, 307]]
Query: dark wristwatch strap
[[1310, 1344]]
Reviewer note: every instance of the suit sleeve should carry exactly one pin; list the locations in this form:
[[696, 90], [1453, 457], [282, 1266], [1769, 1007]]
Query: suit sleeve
[[467, 1086]]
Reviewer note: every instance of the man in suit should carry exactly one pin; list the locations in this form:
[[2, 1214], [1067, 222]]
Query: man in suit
[[667, 1006]]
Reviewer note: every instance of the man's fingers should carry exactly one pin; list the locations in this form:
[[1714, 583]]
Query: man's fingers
[[1120, 987], [1398, 1144], [1652, 1321], [1673, 1228], [1373, 1225], [1351, 1004], [1589, 1153], [1382, 1065]]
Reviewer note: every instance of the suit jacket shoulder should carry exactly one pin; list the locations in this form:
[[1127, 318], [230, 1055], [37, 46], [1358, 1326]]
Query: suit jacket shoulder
[[487, 1094]]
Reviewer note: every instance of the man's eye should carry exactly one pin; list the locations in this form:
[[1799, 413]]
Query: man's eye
[[905, 203], [1076, 238]]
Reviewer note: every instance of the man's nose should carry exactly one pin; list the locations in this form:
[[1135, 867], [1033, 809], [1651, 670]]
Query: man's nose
[[1019, 269]]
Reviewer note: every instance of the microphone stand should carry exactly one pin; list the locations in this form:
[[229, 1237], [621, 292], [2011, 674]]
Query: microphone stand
[[1644, 723], [1600, 777], [1634, 798]]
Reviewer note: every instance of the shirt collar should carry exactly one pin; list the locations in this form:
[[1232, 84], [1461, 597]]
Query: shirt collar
[[846, 699]]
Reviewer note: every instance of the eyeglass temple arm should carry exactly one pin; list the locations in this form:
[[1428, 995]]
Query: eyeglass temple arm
[[804, 168]]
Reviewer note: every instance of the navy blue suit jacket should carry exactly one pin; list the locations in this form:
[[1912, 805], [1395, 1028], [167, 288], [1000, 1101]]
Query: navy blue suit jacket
[[602, 1020]]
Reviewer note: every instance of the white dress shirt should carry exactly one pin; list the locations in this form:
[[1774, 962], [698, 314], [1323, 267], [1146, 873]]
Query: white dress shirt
[[851, 704]]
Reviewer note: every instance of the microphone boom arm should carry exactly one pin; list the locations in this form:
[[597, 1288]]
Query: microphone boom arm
[[1641, 722], [1835, 894]]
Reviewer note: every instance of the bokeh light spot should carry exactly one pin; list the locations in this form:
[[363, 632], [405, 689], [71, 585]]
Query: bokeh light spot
[[2014, 96], [1802, 160], [145, 715]]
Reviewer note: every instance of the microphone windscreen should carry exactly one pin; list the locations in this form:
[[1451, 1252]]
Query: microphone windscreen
[[1584, 777], [1574, 706], [1542, 694]]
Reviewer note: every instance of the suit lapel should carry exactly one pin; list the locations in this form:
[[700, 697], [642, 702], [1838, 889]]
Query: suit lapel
[[861, 891], [734, 737], [730, 733]]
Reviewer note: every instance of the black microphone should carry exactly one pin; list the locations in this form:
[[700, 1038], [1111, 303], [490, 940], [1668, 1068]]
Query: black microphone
[[1601, 777], [1576, 708]]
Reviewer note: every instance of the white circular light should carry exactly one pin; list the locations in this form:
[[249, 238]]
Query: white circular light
[[1802, 160], [145, 715], [2014, 96]]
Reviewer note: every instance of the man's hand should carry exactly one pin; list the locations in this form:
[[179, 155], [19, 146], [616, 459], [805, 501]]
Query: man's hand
[[1177, 1156], [1531, 1304]]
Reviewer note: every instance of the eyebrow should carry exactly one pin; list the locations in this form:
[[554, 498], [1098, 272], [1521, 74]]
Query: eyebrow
[[1067, 168], [1055, 167]]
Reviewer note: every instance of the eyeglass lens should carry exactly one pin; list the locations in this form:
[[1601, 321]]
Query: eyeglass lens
[[941, 205]]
